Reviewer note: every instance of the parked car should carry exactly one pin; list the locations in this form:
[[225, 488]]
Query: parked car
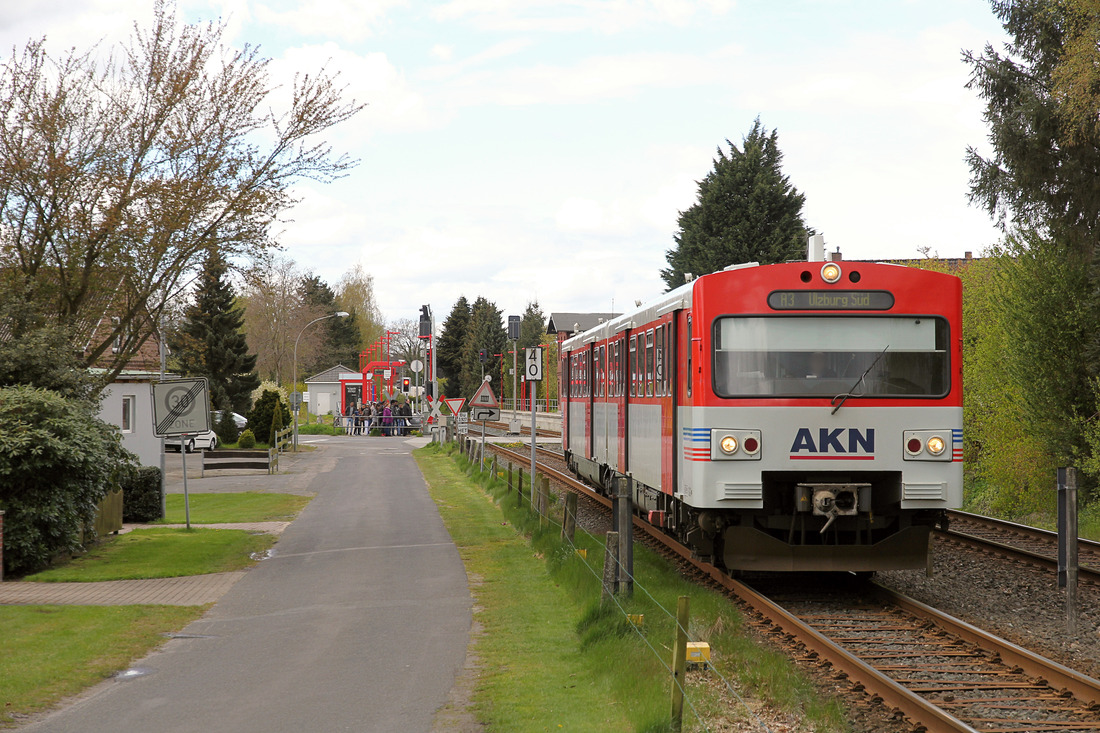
[[200, 441], [240, 420]]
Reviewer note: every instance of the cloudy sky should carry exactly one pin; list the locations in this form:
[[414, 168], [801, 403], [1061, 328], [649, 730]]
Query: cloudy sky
[[543, 149]]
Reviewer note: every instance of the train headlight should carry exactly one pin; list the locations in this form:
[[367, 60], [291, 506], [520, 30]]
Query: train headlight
[[731, 444], [830, 273], [928, 445]]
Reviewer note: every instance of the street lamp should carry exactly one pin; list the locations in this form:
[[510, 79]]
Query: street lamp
[[298, 404]]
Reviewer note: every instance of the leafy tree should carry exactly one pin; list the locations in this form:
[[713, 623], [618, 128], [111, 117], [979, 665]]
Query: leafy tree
[[355, 294], [1045, 167], [211, 343], [118, 172], [340, 339], [44, 358], [747, 211], [1042, 185], [485, 331], [450, 343], [57, 462]]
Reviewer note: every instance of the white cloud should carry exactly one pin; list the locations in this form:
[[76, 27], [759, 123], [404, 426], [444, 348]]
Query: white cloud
[[596, 78], [572, 16], [349, 20], [392, 104]]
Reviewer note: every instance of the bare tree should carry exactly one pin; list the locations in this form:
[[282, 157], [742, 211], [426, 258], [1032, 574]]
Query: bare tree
[[405, 340], [118, 173], [275, 314]]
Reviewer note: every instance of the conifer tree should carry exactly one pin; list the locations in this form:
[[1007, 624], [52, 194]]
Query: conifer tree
[[211, 343], [449, 345], [747, 211], [340, 337], [485, 332]]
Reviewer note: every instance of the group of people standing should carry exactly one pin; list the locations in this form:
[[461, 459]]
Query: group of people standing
[[389, 416]]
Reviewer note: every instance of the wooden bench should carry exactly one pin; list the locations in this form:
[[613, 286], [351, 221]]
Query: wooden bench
[[259, 460]]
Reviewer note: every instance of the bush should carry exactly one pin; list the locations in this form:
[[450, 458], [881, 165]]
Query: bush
[[263, 415], [57, 462], [226, 428], [247, 440], [141, 495]]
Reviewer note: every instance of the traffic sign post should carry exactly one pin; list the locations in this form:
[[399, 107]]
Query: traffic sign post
[[484, 407], [181, 407], [532, 372]]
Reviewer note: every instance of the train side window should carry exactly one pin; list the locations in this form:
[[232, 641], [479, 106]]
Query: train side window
[[649, 363], [658, 362], [633, 373]]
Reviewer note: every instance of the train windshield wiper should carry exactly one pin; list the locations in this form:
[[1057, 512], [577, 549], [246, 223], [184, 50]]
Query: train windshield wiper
[[839, 400]]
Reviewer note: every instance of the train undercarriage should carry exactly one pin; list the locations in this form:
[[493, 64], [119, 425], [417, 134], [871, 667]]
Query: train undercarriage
[[808, 522]]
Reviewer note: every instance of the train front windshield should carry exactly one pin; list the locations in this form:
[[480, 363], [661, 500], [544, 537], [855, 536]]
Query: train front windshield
[[811, 356]]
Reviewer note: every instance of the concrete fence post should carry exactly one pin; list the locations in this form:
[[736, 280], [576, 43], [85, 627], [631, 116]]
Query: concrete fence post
[[610, 566]]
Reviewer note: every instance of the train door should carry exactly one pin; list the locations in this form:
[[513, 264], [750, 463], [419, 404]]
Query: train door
[[690, 442]]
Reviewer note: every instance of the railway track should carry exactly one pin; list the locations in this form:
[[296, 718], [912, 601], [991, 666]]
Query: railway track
[[523, 430], [1038, 547], [942, 674]]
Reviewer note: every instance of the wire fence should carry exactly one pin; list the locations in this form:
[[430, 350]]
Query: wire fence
[[624, 573]]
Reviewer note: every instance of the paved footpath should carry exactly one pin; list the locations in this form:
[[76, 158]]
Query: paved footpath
[[359, 622]]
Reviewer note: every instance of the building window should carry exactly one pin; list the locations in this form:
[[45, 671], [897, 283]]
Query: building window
[[128, 414]]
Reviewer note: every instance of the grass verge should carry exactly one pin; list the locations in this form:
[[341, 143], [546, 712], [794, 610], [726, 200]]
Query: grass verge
[[553, 658], [48, 653], [161, 553], [237, 507]]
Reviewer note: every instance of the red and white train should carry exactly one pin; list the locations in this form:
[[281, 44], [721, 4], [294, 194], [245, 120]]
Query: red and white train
[[799, 416]]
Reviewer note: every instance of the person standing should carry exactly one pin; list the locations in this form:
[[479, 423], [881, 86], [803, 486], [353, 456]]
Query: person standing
[[387, 419]]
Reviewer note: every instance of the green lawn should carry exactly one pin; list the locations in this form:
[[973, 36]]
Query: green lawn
[[553, 659], [237, 507], [48, 653], [162, 552]]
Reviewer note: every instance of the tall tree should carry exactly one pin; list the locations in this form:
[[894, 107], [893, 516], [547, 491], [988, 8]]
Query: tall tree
[[449, 345], [747, 210], [355, 294], [1044, 172], [339, 338], [118, 172], [532, 326], [211, 342], [1042, 185], [275, 314], [485, 332]]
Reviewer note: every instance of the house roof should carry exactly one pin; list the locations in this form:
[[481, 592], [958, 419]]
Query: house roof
[[332, 374], [575, 322]]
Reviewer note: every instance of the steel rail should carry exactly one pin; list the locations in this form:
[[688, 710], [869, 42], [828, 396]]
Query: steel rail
[[1085, 572], [918, 709], [1056, 675], [1025, 529]]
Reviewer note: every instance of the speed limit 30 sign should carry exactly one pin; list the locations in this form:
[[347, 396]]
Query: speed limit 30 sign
[[532, 364]]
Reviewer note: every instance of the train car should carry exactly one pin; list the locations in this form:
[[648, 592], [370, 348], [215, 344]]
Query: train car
[[797, 416]]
